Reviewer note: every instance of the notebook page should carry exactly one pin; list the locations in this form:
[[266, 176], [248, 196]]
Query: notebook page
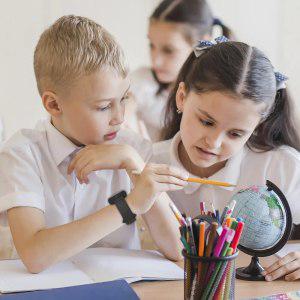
[[15, 278], [105, 264]]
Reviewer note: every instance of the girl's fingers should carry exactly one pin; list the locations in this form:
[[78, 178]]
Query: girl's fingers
[[165, 187], [167, 179], [293, 276], [283, 270], [170, 170], [281, 262]]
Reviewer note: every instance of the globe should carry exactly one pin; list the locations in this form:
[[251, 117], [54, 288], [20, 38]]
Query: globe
[[264, 217], [268, 223]]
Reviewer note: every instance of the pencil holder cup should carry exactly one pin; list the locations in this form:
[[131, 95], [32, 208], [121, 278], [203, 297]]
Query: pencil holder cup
[[209, 277]]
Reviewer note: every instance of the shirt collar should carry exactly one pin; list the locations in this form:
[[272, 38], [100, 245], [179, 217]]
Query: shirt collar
[[230, 173], [60, 146]]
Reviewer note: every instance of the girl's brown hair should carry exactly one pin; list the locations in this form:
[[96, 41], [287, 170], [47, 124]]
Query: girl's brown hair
[[246, 73]]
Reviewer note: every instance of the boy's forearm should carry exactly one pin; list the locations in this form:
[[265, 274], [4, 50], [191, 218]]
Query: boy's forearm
[[164, 228], [51, 245]]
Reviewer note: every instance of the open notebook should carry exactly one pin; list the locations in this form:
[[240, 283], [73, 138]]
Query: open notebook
[[90, 266]]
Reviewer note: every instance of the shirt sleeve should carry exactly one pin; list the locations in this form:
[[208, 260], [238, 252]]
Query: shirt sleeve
[[284, 171], [20, 183]]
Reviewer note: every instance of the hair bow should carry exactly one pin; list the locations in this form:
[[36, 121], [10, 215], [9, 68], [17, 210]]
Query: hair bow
[[203, 44], [280, 80]]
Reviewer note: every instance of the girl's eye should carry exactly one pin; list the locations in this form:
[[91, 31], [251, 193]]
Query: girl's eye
[[168, 51], [206, 122], [235, 134]]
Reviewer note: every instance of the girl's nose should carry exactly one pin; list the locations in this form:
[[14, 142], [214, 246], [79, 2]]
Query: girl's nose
[[214, 141], [157, 60]]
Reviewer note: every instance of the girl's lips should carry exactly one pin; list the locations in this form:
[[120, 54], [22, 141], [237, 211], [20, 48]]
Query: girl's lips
[[110, 136], [205, 154]]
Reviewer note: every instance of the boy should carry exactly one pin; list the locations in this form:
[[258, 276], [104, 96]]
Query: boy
[[52, 215]]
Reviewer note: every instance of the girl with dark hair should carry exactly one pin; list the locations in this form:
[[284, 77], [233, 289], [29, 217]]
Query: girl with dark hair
[[175, 27], [229, 118]]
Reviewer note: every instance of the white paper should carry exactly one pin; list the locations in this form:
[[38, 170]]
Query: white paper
[[287, 249], [105, 264], [15, 278], [91, 265]]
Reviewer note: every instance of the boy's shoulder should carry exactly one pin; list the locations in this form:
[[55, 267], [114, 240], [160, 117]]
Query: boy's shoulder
[[25, 139]]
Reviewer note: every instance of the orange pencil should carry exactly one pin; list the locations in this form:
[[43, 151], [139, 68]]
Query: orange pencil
[[211, 182], [228, 222], [201, 245]]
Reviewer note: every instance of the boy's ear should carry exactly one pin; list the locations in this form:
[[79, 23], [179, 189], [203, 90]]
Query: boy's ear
[[181, 96], [51, 103]]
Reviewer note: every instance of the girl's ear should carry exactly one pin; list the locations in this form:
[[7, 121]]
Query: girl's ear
[[181, 96]]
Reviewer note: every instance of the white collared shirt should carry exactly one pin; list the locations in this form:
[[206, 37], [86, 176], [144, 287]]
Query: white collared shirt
[[246, 168], [150, 106], [33, 172]]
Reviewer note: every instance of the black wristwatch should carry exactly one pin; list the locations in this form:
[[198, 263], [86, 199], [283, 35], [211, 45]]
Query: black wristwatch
[[120, 201]]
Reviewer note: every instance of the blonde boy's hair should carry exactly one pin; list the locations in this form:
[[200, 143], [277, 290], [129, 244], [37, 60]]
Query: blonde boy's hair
[[74, 46]]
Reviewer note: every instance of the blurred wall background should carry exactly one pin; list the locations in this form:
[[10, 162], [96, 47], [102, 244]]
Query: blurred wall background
[[271, 25]]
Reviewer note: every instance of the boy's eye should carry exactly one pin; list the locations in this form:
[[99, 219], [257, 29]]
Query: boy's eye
[[103, 108], [125, 98], [207, 122]]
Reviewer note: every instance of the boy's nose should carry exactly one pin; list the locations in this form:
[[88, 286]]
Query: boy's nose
[[117, 116]]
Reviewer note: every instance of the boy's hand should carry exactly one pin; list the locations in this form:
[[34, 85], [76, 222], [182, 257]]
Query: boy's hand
[[287, 266], [101, 157], [154, 179]]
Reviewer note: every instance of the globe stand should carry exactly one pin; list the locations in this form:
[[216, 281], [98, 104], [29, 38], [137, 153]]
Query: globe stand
[[252, 272]]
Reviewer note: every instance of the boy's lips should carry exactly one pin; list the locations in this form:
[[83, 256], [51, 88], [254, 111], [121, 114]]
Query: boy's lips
[[110, 136]]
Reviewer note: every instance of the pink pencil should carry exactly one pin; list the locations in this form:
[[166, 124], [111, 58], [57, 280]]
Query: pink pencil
[[217, 251]]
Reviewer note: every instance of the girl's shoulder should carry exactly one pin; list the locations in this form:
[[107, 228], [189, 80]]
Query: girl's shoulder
[[280, 163], [161, 152], [142, 73], [282, 154], [142, 79]]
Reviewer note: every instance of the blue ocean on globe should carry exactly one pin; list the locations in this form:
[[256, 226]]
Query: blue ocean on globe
[[264, 217]]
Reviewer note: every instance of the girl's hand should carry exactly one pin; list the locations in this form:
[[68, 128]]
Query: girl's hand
[[288, 266], [154, 179], [101, 157]]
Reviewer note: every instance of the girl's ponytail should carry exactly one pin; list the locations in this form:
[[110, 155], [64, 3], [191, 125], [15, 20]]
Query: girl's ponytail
[[278, 128], [226, 31]]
